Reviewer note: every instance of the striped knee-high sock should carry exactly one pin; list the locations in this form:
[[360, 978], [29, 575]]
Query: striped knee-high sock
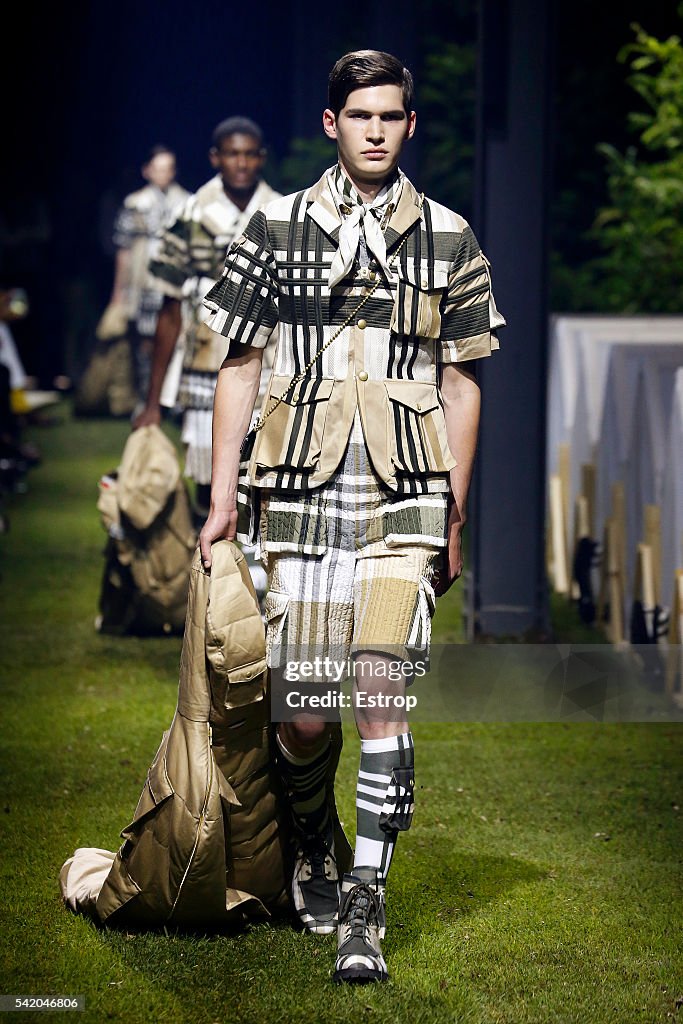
[[305, 781], [384, 799]]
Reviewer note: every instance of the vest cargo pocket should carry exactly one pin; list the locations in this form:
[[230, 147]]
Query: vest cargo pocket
[[292, 434], [417, 428], [417, 304]]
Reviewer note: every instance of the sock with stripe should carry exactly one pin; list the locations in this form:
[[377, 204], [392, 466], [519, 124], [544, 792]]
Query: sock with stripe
[[305, 782], [384, 799]]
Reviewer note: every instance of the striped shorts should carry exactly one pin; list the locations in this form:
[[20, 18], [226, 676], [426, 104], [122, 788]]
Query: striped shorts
[[360, 594]]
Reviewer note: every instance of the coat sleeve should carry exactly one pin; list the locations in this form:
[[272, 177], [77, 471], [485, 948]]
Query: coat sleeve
[[470, 318], [244, 300], [172, 264]]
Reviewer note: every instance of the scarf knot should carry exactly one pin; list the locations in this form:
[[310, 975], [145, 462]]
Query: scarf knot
[[361, 222]]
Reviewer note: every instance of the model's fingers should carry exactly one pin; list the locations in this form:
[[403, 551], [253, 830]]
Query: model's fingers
[[205, 548]]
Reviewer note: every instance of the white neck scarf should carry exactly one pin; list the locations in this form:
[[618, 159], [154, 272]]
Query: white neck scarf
[[372, 218]]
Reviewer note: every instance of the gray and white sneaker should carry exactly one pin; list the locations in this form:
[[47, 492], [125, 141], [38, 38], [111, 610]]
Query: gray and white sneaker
[[315, 885], [361, 926]]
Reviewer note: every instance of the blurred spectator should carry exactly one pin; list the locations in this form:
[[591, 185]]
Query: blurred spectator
[[16, 456], [135, 300], [26, 237]]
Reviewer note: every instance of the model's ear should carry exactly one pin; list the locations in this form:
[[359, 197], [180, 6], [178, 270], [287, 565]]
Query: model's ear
[[213, 158], [330, 123], [412, 119]]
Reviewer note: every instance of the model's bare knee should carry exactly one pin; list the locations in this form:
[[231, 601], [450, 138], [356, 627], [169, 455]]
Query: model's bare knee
[[304, 735]]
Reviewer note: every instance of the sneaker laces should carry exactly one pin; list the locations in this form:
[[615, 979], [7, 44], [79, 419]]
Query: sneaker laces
[[315, 850], [362, 902]]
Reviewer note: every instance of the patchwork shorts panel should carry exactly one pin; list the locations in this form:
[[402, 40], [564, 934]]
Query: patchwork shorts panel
[[379, 600]]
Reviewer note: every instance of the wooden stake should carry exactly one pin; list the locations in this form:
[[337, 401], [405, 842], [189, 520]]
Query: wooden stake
[[560, 569], [674, 661], [588, 490], [611, 585], [652, 519]]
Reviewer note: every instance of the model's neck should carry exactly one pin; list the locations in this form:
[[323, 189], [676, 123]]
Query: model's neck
[[367, 190], [241, 197]]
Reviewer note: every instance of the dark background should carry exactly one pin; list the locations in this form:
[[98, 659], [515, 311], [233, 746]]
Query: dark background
[[89, 87]]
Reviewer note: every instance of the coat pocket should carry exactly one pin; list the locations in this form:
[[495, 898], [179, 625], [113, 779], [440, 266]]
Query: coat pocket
[[293, 432], [275, 608], [417, 428], [417, 304]]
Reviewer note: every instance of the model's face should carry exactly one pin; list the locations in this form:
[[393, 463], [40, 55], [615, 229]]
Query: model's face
[[370, 131], [160, 170], [239, 161]]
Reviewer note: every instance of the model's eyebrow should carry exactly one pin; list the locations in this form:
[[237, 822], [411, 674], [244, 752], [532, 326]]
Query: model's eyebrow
[[385, 113]]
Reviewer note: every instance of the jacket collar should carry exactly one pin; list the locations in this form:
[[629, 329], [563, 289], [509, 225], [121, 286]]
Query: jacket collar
[[322, 209]]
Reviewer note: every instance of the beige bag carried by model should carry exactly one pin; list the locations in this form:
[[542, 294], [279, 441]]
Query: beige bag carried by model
[[145, 509]]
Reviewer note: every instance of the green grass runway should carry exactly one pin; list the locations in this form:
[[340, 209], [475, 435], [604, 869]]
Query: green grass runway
[[540, 881]]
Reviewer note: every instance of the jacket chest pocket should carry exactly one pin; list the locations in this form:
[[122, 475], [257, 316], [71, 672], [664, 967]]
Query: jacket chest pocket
[[292, 434], [417, 302], [417, 428]]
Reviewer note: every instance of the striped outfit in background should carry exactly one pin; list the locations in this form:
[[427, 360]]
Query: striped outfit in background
[[189, 261], [138, 226]]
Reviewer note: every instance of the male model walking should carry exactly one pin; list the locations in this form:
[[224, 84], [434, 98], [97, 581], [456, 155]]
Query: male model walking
[[375, 299], [190, 259]]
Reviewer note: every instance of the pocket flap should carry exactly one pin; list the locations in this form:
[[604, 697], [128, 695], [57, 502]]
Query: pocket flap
[[311, 389], [275, 605], [426, 279], [246, 673], [417, 395]]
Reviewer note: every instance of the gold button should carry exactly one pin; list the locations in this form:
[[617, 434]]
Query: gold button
[[372, 275], [362, 324], [418, 407], [425, 281], [362, 375]]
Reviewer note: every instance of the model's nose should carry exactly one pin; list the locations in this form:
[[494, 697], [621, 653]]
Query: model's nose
[[375, 129]]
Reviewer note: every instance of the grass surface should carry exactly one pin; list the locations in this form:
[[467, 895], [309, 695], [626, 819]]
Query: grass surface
[[540, 882]]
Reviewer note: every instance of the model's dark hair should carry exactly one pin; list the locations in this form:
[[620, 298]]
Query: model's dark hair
[[158, 150], [363, 68], [236, 126]]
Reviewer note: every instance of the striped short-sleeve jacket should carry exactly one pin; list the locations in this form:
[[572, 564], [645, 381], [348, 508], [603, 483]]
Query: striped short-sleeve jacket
[[191, 256], [434, 306]]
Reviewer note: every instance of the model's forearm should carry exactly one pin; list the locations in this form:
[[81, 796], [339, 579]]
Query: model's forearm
[[121, 276], [462, 403], [236, 392], [165, 340]]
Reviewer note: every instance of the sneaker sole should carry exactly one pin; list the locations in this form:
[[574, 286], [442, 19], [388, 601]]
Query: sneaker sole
[[359, 976]]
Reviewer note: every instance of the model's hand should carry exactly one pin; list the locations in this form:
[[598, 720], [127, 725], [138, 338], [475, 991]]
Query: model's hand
[[113, 323], [221, 525], [149, 417], [449, 566]]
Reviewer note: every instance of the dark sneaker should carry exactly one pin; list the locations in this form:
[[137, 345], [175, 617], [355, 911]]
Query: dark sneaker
[[315, 885], [361, 926]]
